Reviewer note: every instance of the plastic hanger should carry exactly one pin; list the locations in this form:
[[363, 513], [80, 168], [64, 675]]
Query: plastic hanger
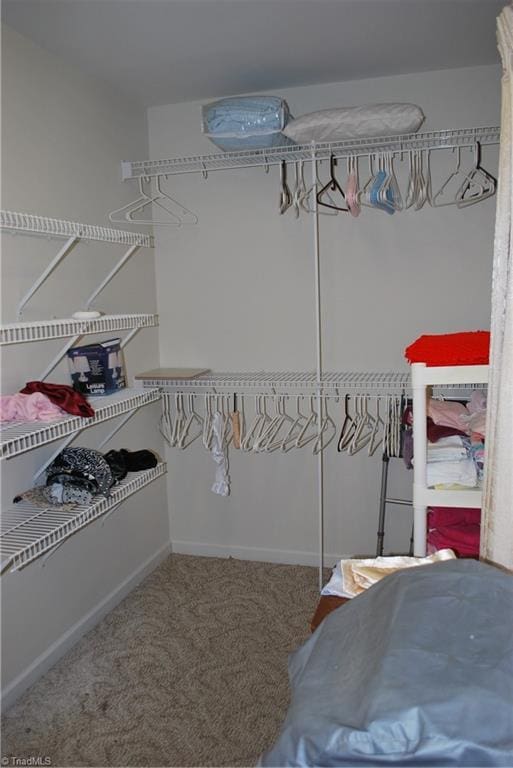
[[332, 186], [348, 426], [183, 214], [125, 214], [285, 196], [478, 185]]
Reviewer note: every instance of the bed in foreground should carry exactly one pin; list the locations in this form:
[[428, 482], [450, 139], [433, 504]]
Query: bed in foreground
[[417, 671]]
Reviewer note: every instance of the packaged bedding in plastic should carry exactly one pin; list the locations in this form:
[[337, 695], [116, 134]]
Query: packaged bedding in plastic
[[246, 122]]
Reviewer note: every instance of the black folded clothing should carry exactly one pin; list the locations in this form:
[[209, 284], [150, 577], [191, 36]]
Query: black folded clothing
[[124, 461]]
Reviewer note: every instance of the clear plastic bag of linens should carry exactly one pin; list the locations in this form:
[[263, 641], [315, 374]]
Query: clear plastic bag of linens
[[246, 122]]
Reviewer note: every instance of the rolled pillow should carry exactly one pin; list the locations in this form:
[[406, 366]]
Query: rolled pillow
[[355, 123]]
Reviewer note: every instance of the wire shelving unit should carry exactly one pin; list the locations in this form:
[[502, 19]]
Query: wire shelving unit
[[28, 531], [446, 139], [286, 383], [43, 330], [18, 437], [43, 225]]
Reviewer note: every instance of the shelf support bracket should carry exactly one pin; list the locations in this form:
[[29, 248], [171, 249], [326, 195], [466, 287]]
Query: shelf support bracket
[[59, 357], [66, 248], [116, 429], [69, 439], [111, 274]]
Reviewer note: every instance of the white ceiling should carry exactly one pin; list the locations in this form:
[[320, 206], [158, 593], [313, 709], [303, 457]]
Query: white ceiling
[[164, 51]]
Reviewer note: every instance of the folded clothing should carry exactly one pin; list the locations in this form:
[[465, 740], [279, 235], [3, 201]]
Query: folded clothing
[[437, 431], [465, 348], [446, 473], [63, 396], [450, 448], [444, 516], [34, 407]]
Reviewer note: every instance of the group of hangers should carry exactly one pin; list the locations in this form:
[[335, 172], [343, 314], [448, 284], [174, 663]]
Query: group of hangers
[[463, 187], [168, 211], [264, 423]]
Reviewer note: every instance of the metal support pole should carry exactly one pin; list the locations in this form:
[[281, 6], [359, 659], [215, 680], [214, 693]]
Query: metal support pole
[[129, 337], [318, 323], [66, 248], [111, 274]]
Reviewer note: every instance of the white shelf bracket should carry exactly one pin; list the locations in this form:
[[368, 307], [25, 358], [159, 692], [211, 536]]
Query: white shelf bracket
[[128, 337], [116, 429], [66, 248], [111, 274], [69, 439], [59, 357]]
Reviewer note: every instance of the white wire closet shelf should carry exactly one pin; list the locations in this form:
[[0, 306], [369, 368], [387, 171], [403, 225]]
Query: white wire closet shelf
[[319, 151], [43, 225], [43, 330], [282, 382], [28, 531], [18, 437]]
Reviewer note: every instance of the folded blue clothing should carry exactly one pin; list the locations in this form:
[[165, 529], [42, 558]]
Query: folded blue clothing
[[246, 122]]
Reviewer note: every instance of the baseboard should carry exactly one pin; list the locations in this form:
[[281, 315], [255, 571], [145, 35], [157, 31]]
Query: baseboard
[[42, 663], [285, 556]]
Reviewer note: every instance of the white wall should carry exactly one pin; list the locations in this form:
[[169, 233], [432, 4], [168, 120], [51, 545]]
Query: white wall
[[64, 136], [236, 292]]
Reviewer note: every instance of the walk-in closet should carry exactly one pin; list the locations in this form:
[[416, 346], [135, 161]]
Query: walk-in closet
[[227, 229]]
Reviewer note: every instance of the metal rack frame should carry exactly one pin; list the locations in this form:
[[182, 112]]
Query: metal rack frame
[[294, 383], [19, 437], [423, 376], [27, 531], [42, 330], [74, 232], [45, 330], [319, 151]]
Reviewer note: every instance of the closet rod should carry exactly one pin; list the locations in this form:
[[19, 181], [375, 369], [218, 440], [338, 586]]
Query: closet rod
[[222, 161]]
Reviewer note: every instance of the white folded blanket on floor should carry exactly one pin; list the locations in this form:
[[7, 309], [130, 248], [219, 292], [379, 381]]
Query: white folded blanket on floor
[[353, 576]]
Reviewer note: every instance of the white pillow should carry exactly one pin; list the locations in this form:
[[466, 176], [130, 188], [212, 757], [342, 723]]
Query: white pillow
[[355, 123]]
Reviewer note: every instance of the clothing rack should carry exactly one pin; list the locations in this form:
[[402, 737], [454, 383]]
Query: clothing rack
[[222, 161], [314, 153], [286, 382]]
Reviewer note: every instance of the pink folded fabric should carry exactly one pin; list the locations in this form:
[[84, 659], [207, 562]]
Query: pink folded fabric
[[444, 516], [35, 407], [447, 413]]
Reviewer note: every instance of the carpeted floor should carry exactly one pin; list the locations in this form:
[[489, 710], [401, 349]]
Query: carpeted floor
[[189, 670]]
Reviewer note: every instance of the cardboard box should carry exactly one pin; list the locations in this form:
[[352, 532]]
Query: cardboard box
[[97, 369]]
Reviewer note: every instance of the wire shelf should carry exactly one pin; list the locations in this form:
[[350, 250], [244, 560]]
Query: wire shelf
[[43, 225], [27, 531], [43, 330], [286, 383], [18, 437], [265, 157]]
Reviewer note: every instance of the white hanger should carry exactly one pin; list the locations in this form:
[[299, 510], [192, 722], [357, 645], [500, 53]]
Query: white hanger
[[124, 215], [194, 418]]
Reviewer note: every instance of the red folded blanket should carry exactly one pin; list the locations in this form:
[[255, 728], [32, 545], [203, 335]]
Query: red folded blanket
[[463, 539], [444, 516], [465, 348]]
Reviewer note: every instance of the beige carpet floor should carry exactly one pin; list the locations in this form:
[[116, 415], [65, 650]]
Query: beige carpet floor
[[189, 670]]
